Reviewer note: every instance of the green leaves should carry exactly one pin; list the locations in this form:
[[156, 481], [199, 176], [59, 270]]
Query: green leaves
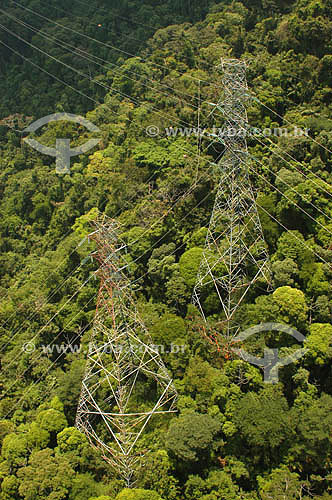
[[265, 423], [138, 494], [282, 484], [319, 343], [230, 427], [15, 450], [189, 265], [190, 437], [292, 305], [46, 477]]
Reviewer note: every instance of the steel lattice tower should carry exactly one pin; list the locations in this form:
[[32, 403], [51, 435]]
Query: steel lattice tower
[[125, 382], [235, 255]]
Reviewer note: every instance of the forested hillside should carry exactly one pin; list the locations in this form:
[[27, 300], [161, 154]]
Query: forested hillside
[[140, 70]]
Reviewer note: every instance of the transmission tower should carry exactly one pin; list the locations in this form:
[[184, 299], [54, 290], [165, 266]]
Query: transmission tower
[[235, 255], [125, 382]]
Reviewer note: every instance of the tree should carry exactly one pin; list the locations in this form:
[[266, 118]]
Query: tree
[[285, 272], [282, 484], [190, 438], [138, 494], [6, 427], [9, 488], [200, 380], [319, 343], [83, 486], [15, 450], [312, 450], [52, 420], [102, 497], [286, 305], [162, 191], [189, 264], [157, 474], [46, 477], [325, 70], [292, 305], [75, 447], [291, 244], [286, 178], [265, 423]]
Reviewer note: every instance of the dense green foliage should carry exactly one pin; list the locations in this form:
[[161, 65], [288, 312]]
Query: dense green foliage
[[234, 436]]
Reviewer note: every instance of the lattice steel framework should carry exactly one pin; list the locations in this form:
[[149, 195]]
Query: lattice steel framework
[[235, 255], [125, 382]]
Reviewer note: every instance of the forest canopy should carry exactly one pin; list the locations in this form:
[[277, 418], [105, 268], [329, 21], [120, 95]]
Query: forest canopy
[[127, 67]]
